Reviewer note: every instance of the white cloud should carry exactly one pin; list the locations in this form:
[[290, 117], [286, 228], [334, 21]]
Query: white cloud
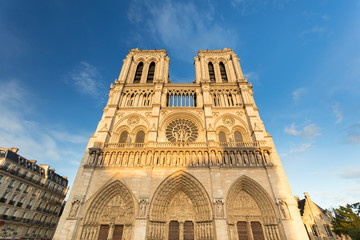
[[314, 30], [298, 93], [353, 135], [182, 26], [309, 131], [302, 148], [350, 173], [86, 78], [247, 7], [337, 113], [35, 140], [251, 76]]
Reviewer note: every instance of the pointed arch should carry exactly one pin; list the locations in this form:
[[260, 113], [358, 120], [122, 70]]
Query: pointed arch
[[187, 184], [151, 73], [101, 199], [259, 207], [138, 73], [211, 72], [223, 72]]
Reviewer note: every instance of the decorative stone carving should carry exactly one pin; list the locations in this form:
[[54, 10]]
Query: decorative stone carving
[[229, 121], [148, 114], [181, 130], [74, 209], [219, 208], [143, 204], [120, 114], [284, 209], [215, 114], [133, 120]]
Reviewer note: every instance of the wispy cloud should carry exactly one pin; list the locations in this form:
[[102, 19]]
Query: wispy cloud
[[352, 172], [252, 77], [314, 30], [182, 26], [247, 7], [87, 79], [298, 93], [35, 140], [338, 114], [353, 135], [302, 148], [309, 131]]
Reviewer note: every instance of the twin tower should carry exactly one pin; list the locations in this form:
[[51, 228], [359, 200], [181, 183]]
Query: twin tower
[[181, 161]]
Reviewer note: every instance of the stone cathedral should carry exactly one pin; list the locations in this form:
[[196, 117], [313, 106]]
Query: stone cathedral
[[181, 161]]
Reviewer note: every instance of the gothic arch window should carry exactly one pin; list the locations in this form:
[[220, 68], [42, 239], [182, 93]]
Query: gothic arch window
[[211, 72], [150, 76], [223, 72], [140, 137], [138, 72], [238, 137], [123, 137], [222, 137]]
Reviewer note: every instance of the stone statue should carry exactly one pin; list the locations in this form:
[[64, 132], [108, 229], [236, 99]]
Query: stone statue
[[162, 158], [143, 159], [284, 209], [267, 157], [200, 158], [142, 208], [206, 158], [259, 158], [187, 158], [226, 158], [245, 158], [252, 158], [239, 159], [213, 158], [219, 208], [168, 158], [125, 159], [131, 159], [74, 209], [137, 158], [149, 158], [219, 158], [232, 158]]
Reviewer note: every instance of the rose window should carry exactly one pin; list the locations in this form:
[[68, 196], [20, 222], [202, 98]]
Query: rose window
[[181, 130]]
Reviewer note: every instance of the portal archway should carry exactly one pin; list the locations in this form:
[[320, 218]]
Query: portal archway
[[251, 212], [180, 207], [110, 212]]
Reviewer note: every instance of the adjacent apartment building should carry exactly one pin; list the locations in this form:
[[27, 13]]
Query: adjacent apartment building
[[31, 197]]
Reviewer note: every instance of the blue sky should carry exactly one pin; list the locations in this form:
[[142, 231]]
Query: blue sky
[[58, 59]]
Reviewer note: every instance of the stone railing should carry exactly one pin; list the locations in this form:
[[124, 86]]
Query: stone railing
[[180, 154], [258, 144]]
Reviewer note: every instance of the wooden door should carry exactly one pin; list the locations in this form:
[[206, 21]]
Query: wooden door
[[118, 232], [188, 230], [104, 231], [242, 230], [257, 231], [174, 230]]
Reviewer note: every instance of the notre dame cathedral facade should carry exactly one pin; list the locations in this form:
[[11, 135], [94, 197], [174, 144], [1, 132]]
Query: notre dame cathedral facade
[[181, 160]]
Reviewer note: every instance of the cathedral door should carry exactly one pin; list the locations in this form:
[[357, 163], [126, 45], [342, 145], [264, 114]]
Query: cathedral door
[[242, 230], [174, 230], [257, 231], [104, 231], [188, 230], [118, 232]]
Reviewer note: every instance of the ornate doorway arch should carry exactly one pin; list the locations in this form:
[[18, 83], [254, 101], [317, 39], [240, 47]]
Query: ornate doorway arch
[[110, 213], [180, 208], [250, 212]]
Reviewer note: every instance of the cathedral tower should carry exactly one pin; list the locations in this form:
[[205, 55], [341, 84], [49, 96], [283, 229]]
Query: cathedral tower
[[181, 160]]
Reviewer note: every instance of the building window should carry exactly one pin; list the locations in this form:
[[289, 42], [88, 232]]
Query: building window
[[123, 137], [223, 73], [19, 187], [11, 184], [222, 137], [211, 72], [238, 136], [328, 230], [315, 230], [150, 76], [140, 137], [26, 190], [1, 177], [138, 72]]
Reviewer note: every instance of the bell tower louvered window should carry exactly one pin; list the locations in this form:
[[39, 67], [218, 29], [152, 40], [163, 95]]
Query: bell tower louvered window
[[138, 72], [150, 76], [211, 72], [223, 73]]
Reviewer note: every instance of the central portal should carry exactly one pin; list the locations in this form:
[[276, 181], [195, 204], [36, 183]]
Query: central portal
[[180, 210]]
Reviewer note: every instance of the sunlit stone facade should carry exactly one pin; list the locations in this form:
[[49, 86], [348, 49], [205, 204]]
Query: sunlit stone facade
[[181, 160]]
